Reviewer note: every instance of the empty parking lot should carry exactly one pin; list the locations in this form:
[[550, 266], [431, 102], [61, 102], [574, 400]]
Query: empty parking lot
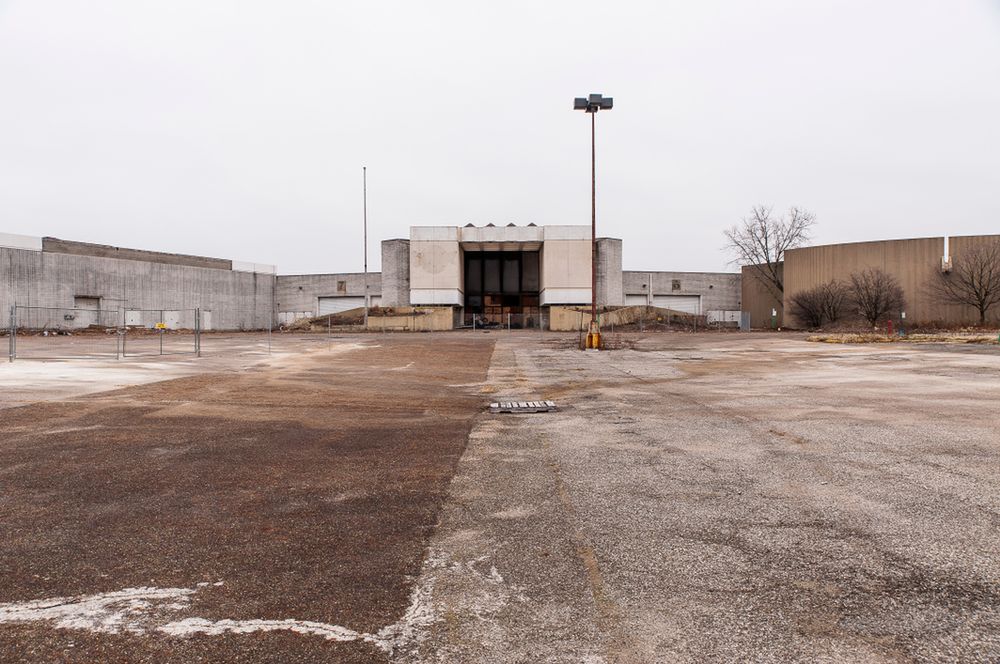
[[696, 497]]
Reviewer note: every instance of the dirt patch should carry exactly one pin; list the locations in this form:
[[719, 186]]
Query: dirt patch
[[298, 493]]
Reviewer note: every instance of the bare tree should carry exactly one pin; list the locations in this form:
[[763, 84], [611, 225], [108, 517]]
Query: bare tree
[[836, 298], [876, 294], [807, 307], [974, 280], [820, 305], [760, 242]]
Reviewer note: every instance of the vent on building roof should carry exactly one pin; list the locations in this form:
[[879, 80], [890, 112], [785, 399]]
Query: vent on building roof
[[532, 224], [470, 225], [511, 224], [490, 226]]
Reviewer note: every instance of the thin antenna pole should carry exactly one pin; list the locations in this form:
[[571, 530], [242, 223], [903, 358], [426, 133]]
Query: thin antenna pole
[[364, 180], [364, 176]]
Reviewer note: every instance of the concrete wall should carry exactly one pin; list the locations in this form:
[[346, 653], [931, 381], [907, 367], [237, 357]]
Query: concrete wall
[[297, 295], [413, 319], [610, 290], [719, 291], [395, 273], [913, 262], [236, 300], [573, 319]]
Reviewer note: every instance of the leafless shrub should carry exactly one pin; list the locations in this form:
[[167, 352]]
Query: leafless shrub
[[974, 280], [875, 294], [760, 241], [825, 304], [807, 307]]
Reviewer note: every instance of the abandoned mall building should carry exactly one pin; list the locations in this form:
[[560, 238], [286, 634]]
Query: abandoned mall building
[[490, 274], [527, 276]]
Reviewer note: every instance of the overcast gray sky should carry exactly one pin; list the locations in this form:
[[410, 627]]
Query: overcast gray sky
[[239, 129]]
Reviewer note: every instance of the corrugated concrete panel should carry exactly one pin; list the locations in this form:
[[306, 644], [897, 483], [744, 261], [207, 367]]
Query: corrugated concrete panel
[[395, 273], [237, 300], [610, 291]]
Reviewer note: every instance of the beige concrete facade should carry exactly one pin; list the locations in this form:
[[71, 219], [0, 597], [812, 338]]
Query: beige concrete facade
[[913, 262], [760, 300]]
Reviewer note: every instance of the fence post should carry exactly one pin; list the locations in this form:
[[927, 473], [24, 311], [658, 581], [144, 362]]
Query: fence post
[[12, 331]]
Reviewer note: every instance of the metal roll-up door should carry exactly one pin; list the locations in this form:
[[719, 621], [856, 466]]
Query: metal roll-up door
[[334, 305], [690, 304]]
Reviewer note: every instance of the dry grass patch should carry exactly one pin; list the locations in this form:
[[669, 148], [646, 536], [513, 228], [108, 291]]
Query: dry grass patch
[[874, 338]]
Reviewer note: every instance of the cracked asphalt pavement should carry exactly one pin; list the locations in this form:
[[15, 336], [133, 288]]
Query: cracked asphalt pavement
[[696, 497]]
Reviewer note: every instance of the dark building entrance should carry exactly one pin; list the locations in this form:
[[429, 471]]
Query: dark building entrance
[[502, 283]]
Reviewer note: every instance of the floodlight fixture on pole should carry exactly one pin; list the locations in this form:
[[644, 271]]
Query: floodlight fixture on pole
[[592, 104]]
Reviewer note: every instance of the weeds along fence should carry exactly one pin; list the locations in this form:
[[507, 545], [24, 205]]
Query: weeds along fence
[[64, 334]]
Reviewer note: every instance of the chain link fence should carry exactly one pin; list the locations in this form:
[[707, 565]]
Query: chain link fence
[[58, 333], [148, 332], [531, 321], [53, 333]]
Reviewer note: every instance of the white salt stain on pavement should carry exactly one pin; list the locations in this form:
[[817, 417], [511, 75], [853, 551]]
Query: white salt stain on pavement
[[144, 610], [128, 610], [190, 626]]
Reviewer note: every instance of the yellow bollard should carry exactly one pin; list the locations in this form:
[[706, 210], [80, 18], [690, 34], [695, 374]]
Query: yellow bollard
[[593, 337]]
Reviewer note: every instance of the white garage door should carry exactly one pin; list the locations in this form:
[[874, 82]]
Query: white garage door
[[690, 304], [635, 300], [334, 305]]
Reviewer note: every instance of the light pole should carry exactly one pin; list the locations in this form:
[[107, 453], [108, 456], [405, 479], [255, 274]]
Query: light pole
[[592, 105], [364, 186]]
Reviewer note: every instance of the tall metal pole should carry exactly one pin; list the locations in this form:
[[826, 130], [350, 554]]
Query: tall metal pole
[[364, 179], [592, 104], [12, 330], [593, 222]]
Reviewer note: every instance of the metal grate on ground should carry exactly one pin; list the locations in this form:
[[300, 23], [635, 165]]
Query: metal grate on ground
[[522, 406]]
